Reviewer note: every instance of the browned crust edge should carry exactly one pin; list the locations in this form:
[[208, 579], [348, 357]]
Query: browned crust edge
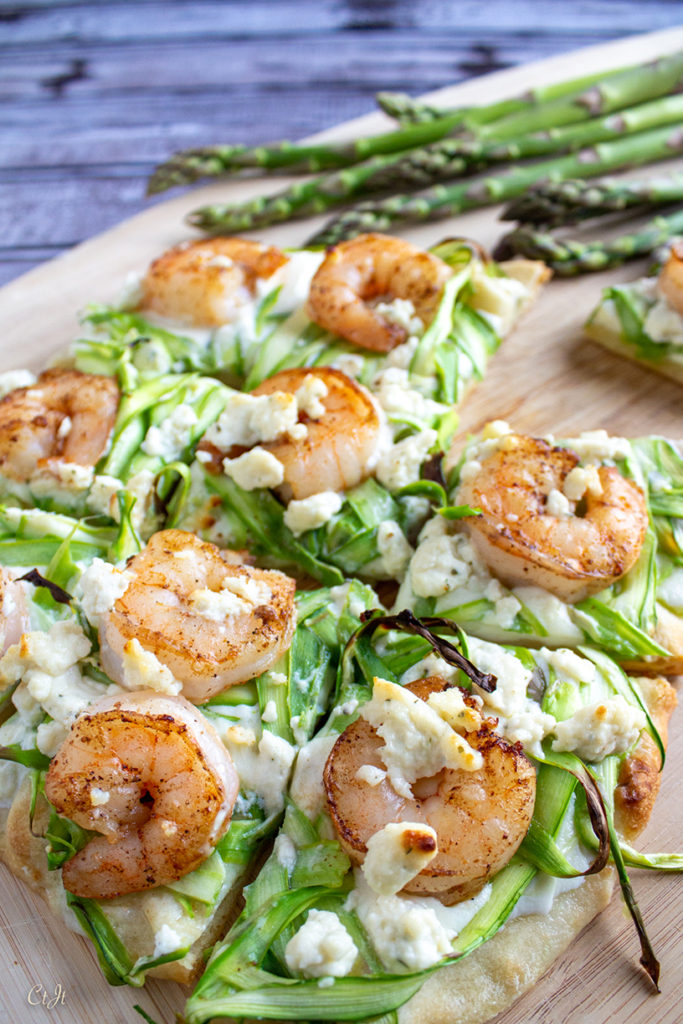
[[24, 855]]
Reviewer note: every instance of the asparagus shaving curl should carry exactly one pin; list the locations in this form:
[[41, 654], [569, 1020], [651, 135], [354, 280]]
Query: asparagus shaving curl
[[409, 623]]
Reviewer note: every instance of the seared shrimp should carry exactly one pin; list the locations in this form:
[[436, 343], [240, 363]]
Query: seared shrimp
[[66, 416], [209, 619], [153, 777], [341, 446], [670, 282], [573, 551], [480, 817], [367, 269], [204, 283]]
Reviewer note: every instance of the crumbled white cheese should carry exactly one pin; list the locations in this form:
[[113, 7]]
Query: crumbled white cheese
[[396, 854], [568, 664], [402, 355], [370, 774], [400, 465], [61, 479], [99, 587], [10, 380], [239, 595], [557, 505], [166, 941], [102, 495], [664, 324], [395, 551], [450, 705], [417, 741], [285, 851], [405, 933], [401, 312], [250, 419], [322, 947], [582, 480], [142, 670], [255, 468], [394, 391], [52, 652], [312, 512], [597, 446], [309, 395], [99, 797], [597, 730], [263, 766], [410, 934], [443, 562], [510, 695], [348, 363], [169, 439], [269, 713]]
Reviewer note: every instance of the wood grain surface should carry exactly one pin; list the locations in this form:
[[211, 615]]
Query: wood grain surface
[[95, 92], [545, 378]]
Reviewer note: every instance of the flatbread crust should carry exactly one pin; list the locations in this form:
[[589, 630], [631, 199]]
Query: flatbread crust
[[491, 978], [24, 854], [668, 633], [609, 337]]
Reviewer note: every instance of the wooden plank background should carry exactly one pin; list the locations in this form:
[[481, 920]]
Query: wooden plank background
[[93, 94]]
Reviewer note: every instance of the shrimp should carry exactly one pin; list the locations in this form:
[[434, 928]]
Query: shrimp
[[369, 268], [212, 621], [65, 417], [571, 555], [152, 776], [480, 817], [670, 281], [204, 283], [341, 447]]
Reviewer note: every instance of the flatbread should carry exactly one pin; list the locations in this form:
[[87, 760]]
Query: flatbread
[[492, 977]]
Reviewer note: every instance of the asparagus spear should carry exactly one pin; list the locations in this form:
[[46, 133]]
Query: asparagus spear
[[569, 258], [625, 88], [407, 110], [449, 158], [566, 202], [446, 200]]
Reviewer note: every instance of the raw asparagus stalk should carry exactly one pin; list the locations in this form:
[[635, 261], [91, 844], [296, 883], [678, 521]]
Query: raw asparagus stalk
[[566, 202], [407, 110], [568, 257], [622, 89], [447, 159], [448, 200]]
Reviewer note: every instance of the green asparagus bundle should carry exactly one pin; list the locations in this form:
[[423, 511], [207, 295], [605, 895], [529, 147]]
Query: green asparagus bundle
[[624, 88], [413, 169], [569, 257], [448, 200], [555, 203]]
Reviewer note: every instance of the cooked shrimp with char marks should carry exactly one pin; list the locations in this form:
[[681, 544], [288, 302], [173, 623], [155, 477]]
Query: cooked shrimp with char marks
[[369, 269], [670, 280], [341, 445], [572, 550], [204, 283], [480, 817], [65, 417], [152, 776], [212, 621]]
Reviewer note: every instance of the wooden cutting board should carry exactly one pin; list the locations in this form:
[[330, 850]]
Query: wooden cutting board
[[546, 378]]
